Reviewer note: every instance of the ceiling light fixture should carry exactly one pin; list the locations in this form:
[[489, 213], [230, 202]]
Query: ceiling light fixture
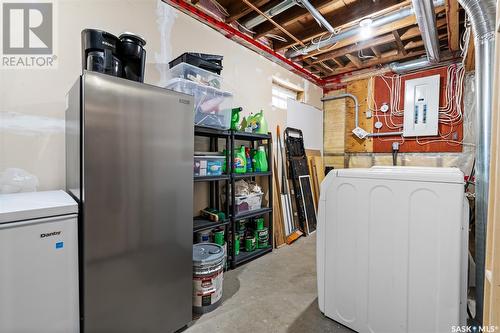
[[366, 28]]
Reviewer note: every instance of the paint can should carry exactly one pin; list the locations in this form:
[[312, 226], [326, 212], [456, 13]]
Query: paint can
[[259, 223], [262, 238], [219, 236], [250, 243], [208, 268], [203, 236]]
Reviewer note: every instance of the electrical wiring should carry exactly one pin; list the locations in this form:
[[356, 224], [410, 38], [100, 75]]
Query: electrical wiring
[[221, 9], [248, 30], [277, 37], [450, 113]]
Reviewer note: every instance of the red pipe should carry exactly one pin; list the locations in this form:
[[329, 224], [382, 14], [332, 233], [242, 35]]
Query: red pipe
[[240, 37]]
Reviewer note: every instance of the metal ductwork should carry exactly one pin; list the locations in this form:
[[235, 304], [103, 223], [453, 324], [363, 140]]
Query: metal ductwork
[[317, 15], [278, 9], [382, 20], [409, 66], [426, 20], [482, 15]]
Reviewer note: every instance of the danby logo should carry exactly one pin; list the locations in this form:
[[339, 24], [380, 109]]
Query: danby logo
[[183, 101], [28, 34], [50, 234]]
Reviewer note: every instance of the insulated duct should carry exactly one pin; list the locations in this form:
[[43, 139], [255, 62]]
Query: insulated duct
[[426, 20], [482, 15], [279, 8], [317, 15], [335, 38]]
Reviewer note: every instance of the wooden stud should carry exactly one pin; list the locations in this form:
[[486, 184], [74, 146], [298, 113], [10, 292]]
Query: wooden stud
[[399, 43], [375, 51], [286, 32], [338, 62], [470, 62], [294, 14], [354, 60], [238, 9], [355, 47], [452, 17], [387, 57]]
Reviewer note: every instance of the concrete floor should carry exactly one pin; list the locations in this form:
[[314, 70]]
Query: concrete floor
[[275, 293]]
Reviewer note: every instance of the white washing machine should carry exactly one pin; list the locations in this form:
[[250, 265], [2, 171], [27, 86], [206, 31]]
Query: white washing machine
[[392, 249], [38, 263]]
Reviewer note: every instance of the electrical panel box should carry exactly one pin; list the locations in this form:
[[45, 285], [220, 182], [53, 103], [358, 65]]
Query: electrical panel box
[[421, 112]]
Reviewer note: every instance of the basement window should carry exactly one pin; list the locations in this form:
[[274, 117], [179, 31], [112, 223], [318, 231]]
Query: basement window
[[282, 91]]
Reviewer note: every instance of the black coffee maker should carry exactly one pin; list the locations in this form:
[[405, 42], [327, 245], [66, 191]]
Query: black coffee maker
[[133, 55], [105, 53]]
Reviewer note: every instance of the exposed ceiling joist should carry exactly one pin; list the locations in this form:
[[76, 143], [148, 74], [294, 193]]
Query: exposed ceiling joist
[[399, 42], [354, 60], [452, 18], [292, 15], [386, 29], [238, 9], [355, 47], [283, 30], [339, 18]]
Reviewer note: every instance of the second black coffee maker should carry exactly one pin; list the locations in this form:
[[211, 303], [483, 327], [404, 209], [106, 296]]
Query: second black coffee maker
[[122, 56]]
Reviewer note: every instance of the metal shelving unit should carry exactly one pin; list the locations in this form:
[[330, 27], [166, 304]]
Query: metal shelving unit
[[254, 140]]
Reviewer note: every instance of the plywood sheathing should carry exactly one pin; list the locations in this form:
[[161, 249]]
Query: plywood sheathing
[[352, 143], [334, 125]]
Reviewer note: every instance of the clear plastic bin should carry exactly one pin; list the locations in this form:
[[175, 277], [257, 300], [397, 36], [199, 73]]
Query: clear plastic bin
[[246, 203], [196, 74], [212, 106], [208, 165]]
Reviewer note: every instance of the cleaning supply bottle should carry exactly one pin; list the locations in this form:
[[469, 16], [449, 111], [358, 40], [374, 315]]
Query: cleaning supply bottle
[[260, 160], [235, 118], [239, 163], [260, 126], [248, 160]]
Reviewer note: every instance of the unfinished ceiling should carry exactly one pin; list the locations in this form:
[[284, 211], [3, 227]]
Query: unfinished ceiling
[[290, 30]]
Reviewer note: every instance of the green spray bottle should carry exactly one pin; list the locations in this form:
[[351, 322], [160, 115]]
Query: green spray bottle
[[235, 118]]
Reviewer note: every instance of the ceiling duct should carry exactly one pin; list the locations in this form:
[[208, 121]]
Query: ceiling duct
[[378, 22], [317, 15], [278, 9], [426, 20], [482, 15]]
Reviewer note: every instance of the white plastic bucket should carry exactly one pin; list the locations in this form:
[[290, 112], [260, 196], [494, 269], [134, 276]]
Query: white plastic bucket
[[208, 269]]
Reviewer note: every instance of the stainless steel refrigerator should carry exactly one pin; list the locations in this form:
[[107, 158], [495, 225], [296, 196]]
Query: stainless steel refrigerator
[[129, 162]]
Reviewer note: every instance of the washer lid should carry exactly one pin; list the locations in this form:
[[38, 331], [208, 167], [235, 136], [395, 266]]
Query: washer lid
[[207, 253], [425, 174], [33, 205]]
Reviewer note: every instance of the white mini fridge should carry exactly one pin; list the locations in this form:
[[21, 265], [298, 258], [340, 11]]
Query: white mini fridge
[[392, 249], [38, 263]]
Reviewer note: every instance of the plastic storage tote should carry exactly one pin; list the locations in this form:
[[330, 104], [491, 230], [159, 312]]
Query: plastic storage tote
[[212, 106], [246, 203], [208, 165], [198, 75]]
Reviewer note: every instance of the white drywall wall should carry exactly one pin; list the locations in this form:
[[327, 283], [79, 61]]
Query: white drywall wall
[[309, 120]]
